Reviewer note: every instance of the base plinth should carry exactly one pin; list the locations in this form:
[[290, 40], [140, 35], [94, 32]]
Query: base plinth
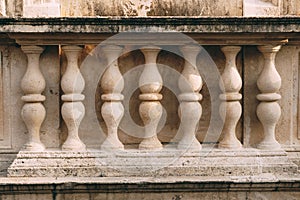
[[166, 162]]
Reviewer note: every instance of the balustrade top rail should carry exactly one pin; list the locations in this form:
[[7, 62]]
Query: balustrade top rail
[[116, 24], [204, 30]]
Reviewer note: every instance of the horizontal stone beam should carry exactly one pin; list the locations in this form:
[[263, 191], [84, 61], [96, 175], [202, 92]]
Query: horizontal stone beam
[[151, 24], [141, 184], [152, 38]]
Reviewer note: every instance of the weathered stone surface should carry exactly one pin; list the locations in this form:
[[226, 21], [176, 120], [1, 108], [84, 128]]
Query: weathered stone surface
[[288, 70], [149, 188], [152, 8], [156, 8], [50, 128], [261, 7], [39, 8], [93, 138], [290, 7], [200, 25], [230, 108], [268, 110], [49, 63], [167, 162], [72, 110], [246, 170]]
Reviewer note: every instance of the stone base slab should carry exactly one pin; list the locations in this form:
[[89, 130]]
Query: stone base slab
[[264, 186], [167, 162]]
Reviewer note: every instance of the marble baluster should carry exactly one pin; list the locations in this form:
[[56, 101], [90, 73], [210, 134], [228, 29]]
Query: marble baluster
[[33, 84], [190, 110], [268, 111], [112, 110], [72, 110], [150, 109], [230, 108]]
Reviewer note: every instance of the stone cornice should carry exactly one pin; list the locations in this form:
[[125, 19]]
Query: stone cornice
[[38, 185], [154, 24], [205, 30]]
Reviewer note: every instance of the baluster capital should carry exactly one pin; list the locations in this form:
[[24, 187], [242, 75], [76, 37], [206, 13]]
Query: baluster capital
[[269, 48], [112, 52], [190, 53], [31, 49]]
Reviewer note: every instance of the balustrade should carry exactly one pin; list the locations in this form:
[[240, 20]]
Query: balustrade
[[123, 155], [150, 84], [114, 97]]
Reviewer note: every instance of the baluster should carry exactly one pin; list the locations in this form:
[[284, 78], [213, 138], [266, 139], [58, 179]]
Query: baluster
[[268, 111], [230, 108], [190, 110], [73, 110], [33, 84], [150, 109], [112, 110]]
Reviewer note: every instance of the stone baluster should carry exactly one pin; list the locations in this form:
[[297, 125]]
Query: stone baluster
[[112, 110], [268, 111], [73, 110], [190, 110], [230, 108], [150, 109], [33, 111]]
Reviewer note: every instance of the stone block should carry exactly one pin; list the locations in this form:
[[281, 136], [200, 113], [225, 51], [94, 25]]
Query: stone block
[[154, 8], [26, 196], [39, 8], [208, 162], [261, 7]]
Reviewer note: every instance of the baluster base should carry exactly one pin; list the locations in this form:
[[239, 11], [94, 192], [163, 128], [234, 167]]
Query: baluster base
[[111, 143], [34, 146], [150, 144], [233, 144], [268, 114], [269, 145], [73, 145], [190, 145]]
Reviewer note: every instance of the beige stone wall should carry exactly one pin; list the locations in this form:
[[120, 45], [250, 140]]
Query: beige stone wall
[[291, 7], [157, 8], [184, 8], [163, 8]]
